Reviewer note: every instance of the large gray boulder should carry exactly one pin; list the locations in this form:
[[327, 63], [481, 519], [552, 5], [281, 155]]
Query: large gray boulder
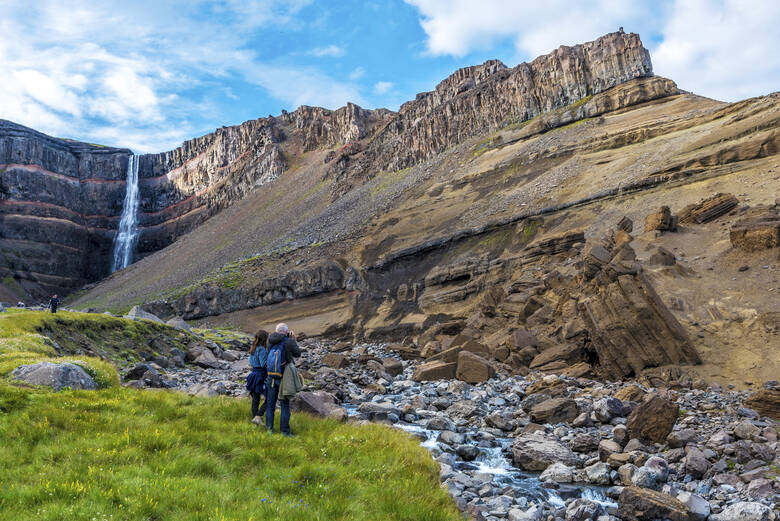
[[536, 452], [745, 511], [56, 376], [179, 323], [318, 403], [138, 313]]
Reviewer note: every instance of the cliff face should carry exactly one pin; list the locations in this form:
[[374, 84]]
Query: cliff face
[[490, 96], [59, 204], [60, 200]]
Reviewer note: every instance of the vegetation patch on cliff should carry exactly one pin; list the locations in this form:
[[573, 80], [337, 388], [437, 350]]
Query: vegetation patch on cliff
[[130, 454]]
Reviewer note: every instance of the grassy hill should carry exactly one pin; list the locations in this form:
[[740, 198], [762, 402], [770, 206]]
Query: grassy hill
[[123, 454]]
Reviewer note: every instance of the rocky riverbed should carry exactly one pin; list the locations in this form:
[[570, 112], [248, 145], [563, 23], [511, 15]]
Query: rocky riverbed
[[537, 446]]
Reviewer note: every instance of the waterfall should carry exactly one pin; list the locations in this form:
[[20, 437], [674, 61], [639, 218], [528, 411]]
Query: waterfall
[[127, 236]]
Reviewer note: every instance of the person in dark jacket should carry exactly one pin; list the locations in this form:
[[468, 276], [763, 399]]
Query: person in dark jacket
[[255, 381], [273, 383], [53, 303]]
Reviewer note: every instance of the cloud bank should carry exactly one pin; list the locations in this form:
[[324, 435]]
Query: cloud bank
[[724, 49]]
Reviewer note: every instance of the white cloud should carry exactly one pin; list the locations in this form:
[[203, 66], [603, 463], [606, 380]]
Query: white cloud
[[302, 86], [111, 71], [725, 49], [331, 50], [357, 73], [457, 27], [382, 87]]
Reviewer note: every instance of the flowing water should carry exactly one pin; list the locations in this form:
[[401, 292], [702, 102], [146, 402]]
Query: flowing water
[[494, 463], [127, 235]]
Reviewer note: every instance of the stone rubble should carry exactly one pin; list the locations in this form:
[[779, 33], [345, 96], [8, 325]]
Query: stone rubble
[[536, 446]]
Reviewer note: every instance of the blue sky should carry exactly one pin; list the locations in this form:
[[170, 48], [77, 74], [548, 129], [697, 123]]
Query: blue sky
[[149, 74]]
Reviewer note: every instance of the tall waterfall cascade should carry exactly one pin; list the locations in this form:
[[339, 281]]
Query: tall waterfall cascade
[[127, 235]]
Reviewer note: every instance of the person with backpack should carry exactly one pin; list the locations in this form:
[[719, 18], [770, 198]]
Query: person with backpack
[[255, 381], [282, 348]]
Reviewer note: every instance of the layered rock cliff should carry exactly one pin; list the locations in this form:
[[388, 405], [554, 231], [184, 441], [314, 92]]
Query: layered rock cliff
[[59, 204], [60, 200]]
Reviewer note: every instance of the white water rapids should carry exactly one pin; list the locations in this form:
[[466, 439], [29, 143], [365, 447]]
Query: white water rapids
[[127, 235]]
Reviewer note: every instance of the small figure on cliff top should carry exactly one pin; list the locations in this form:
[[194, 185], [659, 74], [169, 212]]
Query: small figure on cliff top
[[53, 303]]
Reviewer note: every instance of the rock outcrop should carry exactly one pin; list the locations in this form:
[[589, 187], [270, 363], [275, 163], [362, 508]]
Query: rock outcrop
[[55, 375], [758, 230], [707, 209]]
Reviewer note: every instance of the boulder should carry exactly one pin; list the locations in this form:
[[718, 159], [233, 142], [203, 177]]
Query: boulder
[[137, 313], [431, 348], [765, 402], [698, 507], [229, 355], [335, 361], [535, 452], [558, 358], [435, 371], [555, 410], [583, 510], [557, 472], [535, 513], [632, 329], [578, 370], [393, 366], [644, 504], [317, 403], [696, 463], [137, 371], [745, 511], [662, 257], [473, 368], [630, 393], [180, 324], [758, 231], [653, 420], [521, 338], [341, 347], [625, 224], [661, 220], [707, 209], [207, 360], [56, 376], [607, 448], [598, 473]]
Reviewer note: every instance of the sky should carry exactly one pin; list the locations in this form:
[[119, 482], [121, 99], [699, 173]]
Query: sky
[[148, 74]]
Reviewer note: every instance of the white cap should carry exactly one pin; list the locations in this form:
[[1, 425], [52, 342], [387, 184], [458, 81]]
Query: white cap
[[282, 328]]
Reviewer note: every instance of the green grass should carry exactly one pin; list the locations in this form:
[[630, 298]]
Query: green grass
[[123, 454], [92, 341]]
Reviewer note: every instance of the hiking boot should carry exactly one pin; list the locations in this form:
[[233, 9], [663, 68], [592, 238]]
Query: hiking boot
[[257, 420]]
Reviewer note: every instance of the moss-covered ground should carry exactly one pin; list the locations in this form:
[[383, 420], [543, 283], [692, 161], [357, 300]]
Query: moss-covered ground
[[141, 455], [126, 454]]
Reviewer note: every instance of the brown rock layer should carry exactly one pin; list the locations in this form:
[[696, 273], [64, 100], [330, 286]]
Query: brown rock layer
[[758, 231], [708, 209]]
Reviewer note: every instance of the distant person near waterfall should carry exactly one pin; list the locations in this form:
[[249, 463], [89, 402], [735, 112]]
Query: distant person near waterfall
[[53, 303], [255, 381], [283, 380]]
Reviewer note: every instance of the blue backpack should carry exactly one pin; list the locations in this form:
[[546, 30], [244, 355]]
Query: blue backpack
[[276, 360]]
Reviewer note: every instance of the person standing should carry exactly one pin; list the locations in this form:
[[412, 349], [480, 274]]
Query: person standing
[[282, 348], [53, 303], [255, 380]]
